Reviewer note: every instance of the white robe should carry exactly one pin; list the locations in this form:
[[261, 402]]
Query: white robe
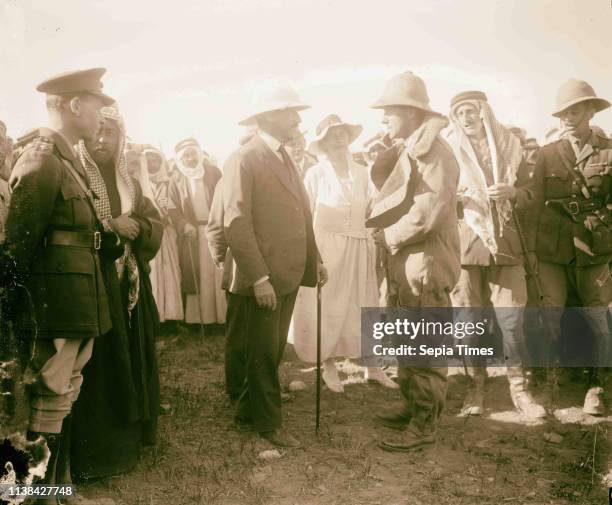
[[212, 305], [339, 212], [166, 278]]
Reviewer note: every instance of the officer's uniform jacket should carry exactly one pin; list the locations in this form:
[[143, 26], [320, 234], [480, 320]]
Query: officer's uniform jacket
[[52, 237], [561, 239]]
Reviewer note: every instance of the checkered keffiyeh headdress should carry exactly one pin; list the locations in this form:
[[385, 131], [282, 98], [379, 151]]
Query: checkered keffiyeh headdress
[[127, 262], [506, 156]]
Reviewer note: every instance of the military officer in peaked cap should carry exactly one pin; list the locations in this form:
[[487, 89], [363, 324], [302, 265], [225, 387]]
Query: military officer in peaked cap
[[573, 188], [53, 237]]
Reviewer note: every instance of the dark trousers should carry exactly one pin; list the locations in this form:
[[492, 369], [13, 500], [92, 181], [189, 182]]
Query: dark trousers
[[236, 334], [423, 387], [260, 400], [593, 285]]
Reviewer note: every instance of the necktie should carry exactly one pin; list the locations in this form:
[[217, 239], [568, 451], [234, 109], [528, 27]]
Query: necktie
[[286, 158], [293, 175]]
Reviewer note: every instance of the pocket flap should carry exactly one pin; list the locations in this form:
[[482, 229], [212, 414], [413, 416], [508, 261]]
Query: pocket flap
[[557, 174], [69, 191]]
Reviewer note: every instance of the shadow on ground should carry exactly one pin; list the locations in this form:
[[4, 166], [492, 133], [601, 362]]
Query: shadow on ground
[[202, 458]]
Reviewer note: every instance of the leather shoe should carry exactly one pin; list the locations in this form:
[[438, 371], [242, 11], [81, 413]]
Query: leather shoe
[[396, 420], [408, 441], [280, 438]]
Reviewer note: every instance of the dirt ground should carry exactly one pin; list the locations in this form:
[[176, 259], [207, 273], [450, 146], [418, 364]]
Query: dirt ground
[[202, 458]]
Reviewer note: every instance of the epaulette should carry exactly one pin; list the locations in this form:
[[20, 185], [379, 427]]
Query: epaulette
[[27, 138], [36, 139], [35, 144], [43, 144]]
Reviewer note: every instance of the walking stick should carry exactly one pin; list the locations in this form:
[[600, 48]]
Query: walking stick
[[197, 288], [551, 372], [318, 388]]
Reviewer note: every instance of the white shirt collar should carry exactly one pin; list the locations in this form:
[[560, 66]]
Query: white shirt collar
[[575, 142], [273, 143]]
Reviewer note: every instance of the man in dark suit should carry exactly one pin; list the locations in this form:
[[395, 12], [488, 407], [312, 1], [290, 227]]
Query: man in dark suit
[[268, 228], [573, 193], [52, 240]]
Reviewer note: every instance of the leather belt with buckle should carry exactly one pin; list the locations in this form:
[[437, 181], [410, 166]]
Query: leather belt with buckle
[[576, 207], [74, 239]]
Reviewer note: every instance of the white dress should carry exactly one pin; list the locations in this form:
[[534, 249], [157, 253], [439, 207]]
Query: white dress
[[339, 210]]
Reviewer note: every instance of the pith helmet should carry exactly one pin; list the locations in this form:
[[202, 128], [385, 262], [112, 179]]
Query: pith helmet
[[274, 95], [575, 91], [405, 89]]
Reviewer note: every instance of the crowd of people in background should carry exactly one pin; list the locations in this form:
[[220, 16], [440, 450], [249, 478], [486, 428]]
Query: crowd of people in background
[[454, 210]]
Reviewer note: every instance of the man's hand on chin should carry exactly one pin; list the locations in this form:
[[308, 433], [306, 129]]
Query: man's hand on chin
[[321, 274], [265, 295]]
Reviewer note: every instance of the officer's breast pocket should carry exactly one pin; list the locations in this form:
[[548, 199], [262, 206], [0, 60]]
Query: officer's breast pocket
[[72, 208], [557, 184], [598, 180], [63, 290], [598, 172]]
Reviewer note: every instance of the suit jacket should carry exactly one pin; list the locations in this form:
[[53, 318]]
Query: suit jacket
[[214, 230], [68, 296], [267, 222], [558, 238], [215, 235]]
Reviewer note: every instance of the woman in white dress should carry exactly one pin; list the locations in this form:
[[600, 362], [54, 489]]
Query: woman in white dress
[[339, 192]]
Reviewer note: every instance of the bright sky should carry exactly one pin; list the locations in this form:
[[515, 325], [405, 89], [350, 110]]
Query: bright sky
[[187, 67]]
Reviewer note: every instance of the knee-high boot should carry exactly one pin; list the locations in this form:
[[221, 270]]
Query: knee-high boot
[[53, 442], [63, 476]]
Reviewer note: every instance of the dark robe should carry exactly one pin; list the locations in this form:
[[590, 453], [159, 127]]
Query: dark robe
[[117, 409], [189, 260]]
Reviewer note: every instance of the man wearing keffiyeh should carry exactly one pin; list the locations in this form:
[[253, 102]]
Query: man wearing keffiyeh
[[201, 281], [165, 268], [492, 183], [119, 412]]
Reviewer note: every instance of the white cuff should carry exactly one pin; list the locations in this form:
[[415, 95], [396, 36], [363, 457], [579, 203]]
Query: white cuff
[[261, 281]]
